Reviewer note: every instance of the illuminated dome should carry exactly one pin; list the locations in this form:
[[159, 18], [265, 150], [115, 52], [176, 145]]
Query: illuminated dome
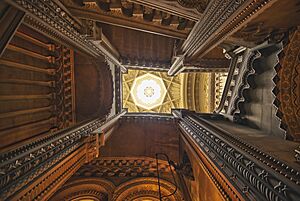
[[148, 91]]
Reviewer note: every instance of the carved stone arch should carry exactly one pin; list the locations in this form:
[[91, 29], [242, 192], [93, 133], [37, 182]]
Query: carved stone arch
[[86, 188], [147, 187]]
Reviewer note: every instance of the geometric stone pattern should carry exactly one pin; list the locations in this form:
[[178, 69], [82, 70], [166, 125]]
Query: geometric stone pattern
[[158, 91], [287, 90], [123, 167]]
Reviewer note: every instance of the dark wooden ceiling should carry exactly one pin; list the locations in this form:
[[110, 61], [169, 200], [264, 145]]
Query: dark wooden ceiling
[[135, 46]]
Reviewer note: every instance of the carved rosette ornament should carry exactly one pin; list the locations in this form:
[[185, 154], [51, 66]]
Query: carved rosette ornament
[[288, 86]]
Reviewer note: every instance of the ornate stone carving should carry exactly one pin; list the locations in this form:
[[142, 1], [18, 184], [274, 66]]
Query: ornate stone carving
[[143, 188], [65, 87], [81, 188], [297, 155], [236, 96], [53, 178], [28, 162], [118, 92], [136, 177], [53, 19], [220, 19], [254, 173], [130, 15], [20, 169], [287, 90], [122, 167], [141, 63]]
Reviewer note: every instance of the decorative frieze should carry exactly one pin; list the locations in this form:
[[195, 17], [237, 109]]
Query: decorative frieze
[[24, 164], [146, 187], [134, 16], [123, 167], [159, 118], [53, 19], [255, 174], [47, 184], [140, 63], [220, 19]]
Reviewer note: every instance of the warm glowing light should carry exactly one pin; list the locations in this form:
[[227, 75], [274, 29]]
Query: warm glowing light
[[148, 91]]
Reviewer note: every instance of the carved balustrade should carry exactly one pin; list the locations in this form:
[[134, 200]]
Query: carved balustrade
[[254, 174]]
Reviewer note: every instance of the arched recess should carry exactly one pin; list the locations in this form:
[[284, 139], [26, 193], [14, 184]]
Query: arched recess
[[145, 189], [94, 87], [198, 91], [95, 189]]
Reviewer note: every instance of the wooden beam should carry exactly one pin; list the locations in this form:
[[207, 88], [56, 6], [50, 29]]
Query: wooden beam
[[9, 23], [25, 112], [26, 97], [123, 21], [17, 134], [28, 82], [13, 64], [49, 59], [60, 26], [35, 41]]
